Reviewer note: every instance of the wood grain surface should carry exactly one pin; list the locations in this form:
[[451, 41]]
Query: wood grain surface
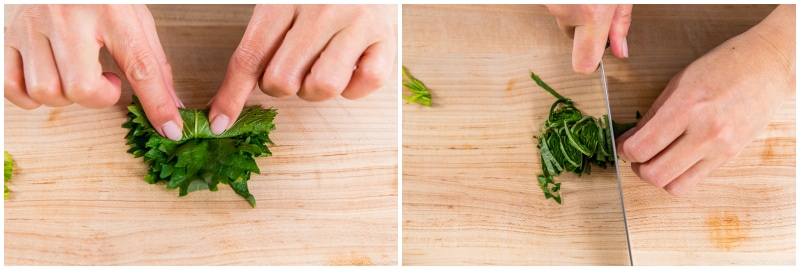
[[328, 195], [470, 195]]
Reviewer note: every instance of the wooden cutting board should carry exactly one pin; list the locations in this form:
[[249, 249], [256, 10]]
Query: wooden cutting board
[[470, 194], [328, 195]]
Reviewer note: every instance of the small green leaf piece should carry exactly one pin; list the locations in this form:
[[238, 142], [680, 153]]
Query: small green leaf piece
[[8, 166], [419, 91]]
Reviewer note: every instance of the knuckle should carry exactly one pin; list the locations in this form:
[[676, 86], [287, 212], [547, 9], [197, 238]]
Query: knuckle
[[248, 59], [721, 131], [276, 84], [226, 106], [723, 134], [11, 85], [675, 190], [327, 86], [164, 109], [160, 112], [88, 93], [635, 151], [373, 78], [653, 175], [44, 90], [78, 90], [141, 67], [692, 106]]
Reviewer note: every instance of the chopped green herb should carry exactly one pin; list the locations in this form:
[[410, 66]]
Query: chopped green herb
[[8, 164], [202, 159], [569, 141], [418, 90]]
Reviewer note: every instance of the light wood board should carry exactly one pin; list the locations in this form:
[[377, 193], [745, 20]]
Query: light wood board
[[328, 195], [470, 195]]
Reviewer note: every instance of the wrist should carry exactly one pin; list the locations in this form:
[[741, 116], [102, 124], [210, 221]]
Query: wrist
[[773, 40]]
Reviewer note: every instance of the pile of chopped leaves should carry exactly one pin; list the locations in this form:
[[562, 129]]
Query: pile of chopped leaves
[[571, 142], [419, 91], [201, 159], [8, 164]]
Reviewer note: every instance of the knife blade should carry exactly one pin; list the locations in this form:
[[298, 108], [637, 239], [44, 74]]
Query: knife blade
[[616, 160]]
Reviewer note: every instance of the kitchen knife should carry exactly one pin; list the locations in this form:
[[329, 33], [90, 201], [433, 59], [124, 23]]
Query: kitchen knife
[[616, 159]]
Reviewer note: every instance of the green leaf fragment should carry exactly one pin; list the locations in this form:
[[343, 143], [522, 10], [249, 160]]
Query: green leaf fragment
[[419, 91], [8, 166], [547, 87], [201, 159]]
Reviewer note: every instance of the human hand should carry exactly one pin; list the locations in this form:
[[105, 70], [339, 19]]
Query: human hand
[[308, 50], [591, 26], [51, 58], [713, 108]]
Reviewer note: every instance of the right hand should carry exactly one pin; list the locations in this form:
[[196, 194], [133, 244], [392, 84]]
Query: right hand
[[591, 26], [316, 52], [52, 58]]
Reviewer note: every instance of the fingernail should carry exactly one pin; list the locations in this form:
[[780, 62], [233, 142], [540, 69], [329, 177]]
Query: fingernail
[[172, 131], [219, 124], [180, 104], [625, 47]]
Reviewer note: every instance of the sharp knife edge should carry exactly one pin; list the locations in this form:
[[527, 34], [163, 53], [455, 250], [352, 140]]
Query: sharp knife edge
[[616, 161]]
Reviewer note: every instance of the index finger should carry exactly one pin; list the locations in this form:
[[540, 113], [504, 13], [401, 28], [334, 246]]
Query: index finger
[[127, 42]]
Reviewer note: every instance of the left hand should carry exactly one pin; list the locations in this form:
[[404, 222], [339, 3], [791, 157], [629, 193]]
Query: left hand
[[51, 59], [314, 51], [714, 107]]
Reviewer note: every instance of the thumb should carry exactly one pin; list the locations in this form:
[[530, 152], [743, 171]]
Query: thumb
[[237, 86], [244, 69]]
